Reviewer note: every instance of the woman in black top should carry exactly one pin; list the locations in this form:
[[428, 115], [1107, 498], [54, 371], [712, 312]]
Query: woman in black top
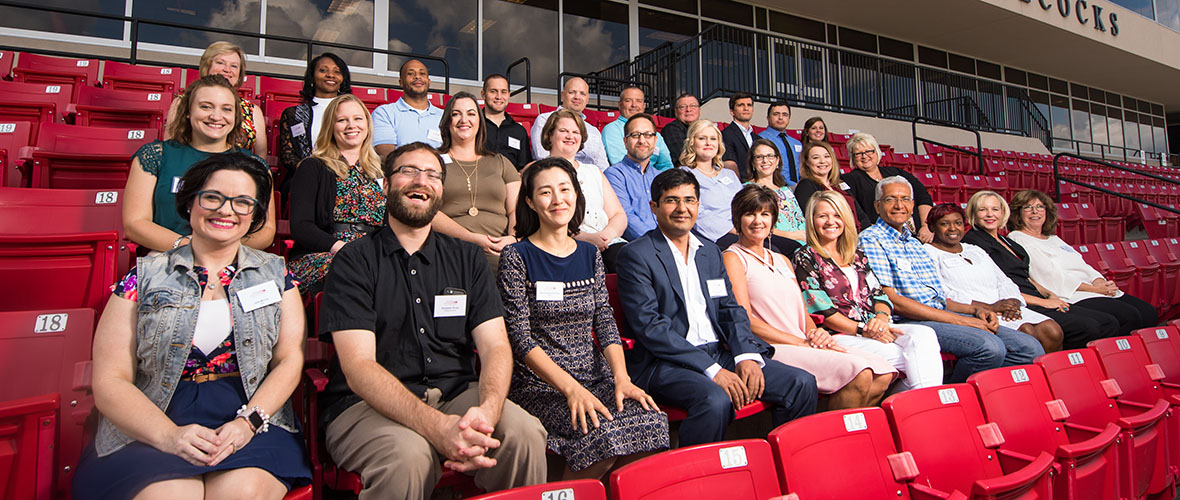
[[866, 157], [327, 76], [987, 213]]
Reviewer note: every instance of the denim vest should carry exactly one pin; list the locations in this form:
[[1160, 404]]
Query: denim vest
[[169, 299]]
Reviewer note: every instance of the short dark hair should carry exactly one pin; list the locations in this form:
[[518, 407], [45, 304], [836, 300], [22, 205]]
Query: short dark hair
[[942, 210], [1025, 198], [686, 94], [308, 90], [638, 116], [198, 175], [402, 69], [733, 99], [752, 163], [444, 124], [750, 199], [527, 221], [776, 104], [670, 179], [491, 76], [387, 165]]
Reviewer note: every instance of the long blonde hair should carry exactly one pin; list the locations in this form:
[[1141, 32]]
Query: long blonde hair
[[688, 157], [327, 151], [846, 243]]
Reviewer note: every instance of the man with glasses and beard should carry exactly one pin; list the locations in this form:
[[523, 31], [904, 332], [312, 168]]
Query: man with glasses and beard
[[408, 309]]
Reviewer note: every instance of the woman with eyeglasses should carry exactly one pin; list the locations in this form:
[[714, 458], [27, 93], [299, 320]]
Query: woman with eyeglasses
[[765, 164], [197, 354], [987, 213], [818, 173], [1061, 269], [866, 157]]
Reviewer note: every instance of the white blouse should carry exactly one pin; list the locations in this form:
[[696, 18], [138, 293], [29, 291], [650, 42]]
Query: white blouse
[[1057, 266], [973, 276]]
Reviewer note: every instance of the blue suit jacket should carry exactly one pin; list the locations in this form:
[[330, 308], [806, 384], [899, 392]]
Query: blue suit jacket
[[653, 304]]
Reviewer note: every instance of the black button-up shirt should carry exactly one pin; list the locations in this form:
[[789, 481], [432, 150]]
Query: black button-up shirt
[[375, 285], [501, 139], [674, 135]]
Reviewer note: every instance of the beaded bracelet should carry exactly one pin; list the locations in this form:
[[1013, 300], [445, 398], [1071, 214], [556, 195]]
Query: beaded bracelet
[[255, 412]]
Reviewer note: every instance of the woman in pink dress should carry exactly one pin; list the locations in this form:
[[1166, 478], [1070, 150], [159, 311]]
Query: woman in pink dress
[[764, 283]]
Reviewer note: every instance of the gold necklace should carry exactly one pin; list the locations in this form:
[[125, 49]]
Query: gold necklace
[[475, 168]]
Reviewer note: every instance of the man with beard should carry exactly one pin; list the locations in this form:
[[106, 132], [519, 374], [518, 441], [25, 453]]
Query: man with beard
[[504, 135], [631, 177], [411, 118], [407, 309]]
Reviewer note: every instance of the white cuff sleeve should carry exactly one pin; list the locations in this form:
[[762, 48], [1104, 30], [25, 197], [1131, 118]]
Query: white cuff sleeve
[[712, 370], [751, 357]]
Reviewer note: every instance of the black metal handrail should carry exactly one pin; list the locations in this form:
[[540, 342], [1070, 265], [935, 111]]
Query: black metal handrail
[[978, 153], [136, 22], [1057, 179], [527, 88], [1077, 147]]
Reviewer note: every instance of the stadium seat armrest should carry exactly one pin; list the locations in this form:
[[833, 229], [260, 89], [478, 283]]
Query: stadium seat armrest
[[1019, 479], [1136, 419], [1013, 460], [922, 492], [317, 378], [25, 153], [789, 496], [83, 371], [1090, 446]]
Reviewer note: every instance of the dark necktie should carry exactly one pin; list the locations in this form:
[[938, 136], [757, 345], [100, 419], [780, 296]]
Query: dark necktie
[[790, 154]]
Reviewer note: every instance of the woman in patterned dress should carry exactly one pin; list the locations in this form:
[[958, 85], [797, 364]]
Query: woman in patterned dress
[[228, 60], [570, 371], [765, 164], [336, 193]]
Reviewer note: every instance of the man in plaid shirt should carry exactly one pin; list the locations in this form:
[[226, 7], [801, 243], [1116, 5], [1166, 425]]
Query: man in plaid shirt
[[912, 283]]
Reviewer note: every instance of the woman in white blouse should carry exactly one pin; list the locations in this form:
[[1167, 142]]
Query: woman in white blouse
[[1060, 269], [970, 277]]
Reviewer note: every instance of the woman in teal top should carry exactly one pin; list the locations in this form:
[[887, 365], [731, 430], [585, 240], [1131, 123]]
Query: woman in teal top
[[766, 165], [209, 121]]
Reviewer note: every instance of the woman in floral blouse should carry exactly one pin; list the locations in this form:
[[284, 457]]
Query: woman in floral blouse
[[838, 284]]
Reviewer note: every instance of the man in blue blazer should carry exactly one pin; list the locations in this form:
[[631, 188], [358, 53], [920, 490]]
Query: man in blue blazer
[[694, 348]]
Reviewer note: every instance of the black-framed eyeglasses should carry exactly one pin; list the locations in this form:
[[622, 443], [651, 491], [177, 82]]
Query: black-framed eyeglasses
[[766, 157], [864, 154], [672, 200], [213, 201], [413, 172], [641, 135]]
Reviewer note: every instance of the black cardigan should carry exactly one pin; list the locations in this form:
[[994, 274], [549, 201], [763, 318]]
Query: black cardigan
[[312, 201], [864, 190]]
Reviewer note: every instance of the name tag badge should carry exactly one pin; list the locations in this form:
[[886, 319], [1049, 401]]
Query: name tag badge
[[904, 265], [446, 158], [259, 296], [550, 291], [434, 135], [798, 148], [514, 143], [449, 306], [1068, 249], [297, 130], [871, 282], [725, 180], [175, 185], [716, 288], [844, 186]]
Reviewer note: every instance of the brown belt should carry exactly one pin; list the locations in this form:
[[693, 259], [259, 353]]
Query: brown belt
[[209, 377]]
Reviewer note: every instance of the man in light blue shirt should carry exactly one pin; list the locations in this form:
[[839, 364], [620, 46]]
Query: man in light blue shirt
[[789, 148], [631, 103], [631, 177], [412, 118]]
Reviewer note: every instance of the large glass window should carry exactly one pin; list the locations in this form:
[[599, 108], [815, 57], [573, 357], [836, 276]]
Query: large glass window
[[1115, 125], [1098, 125], [595, 35], [441, 29], [39, 20], [521, 28], [1059, 118], [1131, 132], [1143, 7], [227, 14], [1161, 138], [1168, 13], [348, 22], [1080, 116]]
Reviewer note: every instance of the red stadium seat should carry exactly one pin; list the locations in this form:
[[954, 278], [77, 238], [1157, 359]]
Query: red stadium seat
[[123, 76], [524, 114], [1078, 379], [45, 354], [1069, 223], [729, 469], [582, 489], [929, 180], [71, 210], [57, 270], [13, 137], [804, 449], [1163, 346], [35, 102], [973, 183], [28, 429], [34, 68], [6, 59], [1170, 265], [955, 449], [69, 156], [1018, 400], [1042, 177], [999, 184], [1091, 223], [949, 189], [1150, 277], [280, 90], [371, 96], [1090, 255], [1122, 272], [131, 109]]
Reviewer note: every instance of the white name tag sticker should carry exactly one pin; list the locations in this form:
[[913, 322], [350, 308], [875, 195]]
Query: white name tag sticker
[[798, 148], [297, 130], [175, 185], [844, 186], [855, 422], [259, 296], [565, 494], [514, 143], [948, 396], [434, 135], [725, 180], [1075, 358], [716, 288], [51, 323], [733, 457], [550, 291], [106, 197], [450, 306], [446, 158], [1020, 375], [904, 265]]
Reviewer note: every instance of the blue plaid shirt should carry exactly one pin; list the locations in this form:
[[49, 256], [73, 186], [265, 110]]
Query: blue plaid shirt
[[900, 262]]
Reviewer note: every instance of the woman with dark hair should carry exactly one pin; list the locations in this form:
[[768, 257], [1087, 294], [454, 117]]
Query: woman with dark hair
[[765, 165], [327, 76], [815, 130], [570, 372], [209, 121], [818, 173], [970, 277], [1061, 269], [228, 60], [479, 200], [764, 283], [336, 194], [196, 357]]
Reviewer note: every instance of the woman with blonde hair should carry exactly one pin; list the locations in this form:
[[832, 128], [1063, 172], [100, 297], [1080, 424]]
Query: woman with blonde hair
[[819, 173], [336, 194], [701, 156], [228, 60], [838, 283]]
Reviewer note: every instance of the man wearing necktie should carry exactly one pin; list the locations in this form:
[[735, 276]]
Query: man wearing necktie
[[778, 116]]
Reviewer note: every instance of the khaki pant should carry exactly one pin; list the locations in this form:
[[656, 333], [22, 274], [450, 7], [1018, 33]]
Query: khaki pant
[[395, 462]]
